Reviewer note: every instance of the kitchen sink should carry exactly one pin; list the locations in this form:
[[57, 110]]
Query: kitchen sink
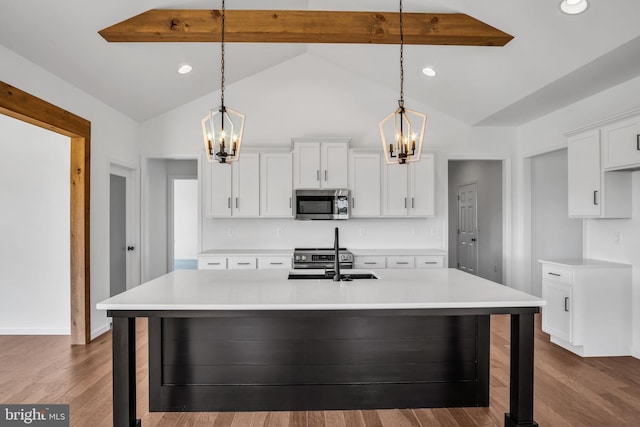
[[329, 276]]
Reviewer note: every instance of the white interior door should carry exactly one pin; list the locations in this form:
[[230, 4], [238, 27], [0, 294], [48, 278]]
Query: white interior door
[[468, 228]]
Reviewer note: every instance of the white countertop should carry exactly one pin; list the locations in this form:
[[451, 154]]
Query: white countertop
[[583, 263], [391, 252], [247, 252], [270, 290]]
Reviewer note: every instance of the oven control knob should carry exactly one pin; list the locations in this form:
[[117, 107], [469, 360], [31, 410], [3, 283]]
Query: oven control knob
[[303, 257], [297, 257]]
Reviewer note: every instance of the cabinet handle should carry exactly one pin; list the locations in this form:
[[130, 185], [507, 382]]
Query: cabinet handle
[[275, 263], [638, 142], [289, 202], [595, 195], [317, 174], [244, 263], [566, 303], [353, 203], [405, 203], [236, 203], [555, 274], [430, 262], [229, 202], [402, 262], [370, 263], [325, 175], [213, 263], [413, 203]]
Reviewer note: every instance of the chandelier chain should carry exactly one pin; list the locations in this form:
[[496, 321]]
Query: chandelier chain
[[401, 56], [222, 56]]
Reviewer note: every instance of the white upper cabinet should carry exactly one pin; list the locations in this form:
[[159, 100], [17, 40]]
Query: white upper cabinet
[[276, 185], [621, 144], [246, 186], [592, 192], [408, 190], [320, 162], [365, 169], [217, 189], [232, 190]]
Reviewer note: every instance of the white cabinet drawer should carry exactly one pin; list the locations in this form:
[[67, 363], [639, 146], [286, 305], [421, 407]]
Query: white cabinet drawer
[[241, 263], [430, 261], [557, 274], [212, 263], [369, 262], [274, 263], [400, 262]]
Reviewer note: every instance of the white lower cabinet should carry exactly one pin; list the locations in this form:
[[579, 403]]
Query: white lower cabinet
[[430, 261], [369, 262], [588, 307], [274, 263], [241, 263], [400, 262], [212, 263]]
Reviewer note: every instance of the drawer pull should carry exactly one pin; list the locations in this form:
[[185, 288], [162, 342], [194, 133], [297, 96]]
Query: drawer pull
[[638, 142], [229, 202], [402, 262], [595, 197], [555, 274], [431, 262], [213, 263], [566, 303], [275, 263], [370, 263], [244, 263]]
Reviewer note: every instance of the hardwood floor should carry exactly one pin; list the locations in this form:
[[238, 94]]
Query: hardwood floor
[[569, 390]]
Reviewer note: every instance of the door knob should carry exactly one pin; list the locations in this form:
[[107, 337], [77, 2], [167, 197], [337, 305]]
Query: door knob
[[130, 248], [473, 240]]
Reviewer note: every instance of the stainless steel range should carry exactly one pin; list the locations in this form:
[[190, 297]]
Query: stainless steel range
[[321, 258]]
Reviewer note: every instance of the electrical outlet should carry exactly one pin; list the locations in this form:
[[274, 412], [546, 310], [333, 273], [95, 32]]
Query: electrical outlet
[[279, 231], [363, 232], [616, 238], [230, 232]]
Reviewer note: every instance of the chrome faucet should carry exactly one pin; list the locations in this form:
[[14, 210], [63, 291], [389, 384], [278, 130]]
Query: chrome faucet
[[336, 260]]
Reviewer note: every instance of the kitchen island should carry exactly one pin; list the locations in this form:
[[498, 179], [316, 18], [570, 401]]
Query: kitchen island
[[253, 340]]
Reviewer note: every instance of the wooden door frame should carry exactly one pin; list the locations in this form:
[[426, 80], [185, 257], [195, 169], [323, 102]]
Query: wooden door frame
[[28, 108]]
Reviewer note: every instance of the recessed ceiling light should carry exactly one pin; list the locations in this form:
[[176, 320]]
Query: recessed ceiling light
[[429, 71], [573, 7], [185, 69]]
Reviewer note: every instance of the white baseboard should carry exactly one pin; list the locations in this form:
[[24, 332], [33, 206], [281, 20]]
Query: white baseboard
[[34, 331], [101, 330], [635, 353]]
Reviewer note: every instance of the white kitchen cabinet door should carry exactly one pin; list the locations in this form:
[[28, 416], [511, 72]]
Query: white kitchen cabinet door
[[241, 263], [621, 144], [556, 315], [276, 185], [394, 191], [217, 188], [421, 187], [274, 263], [400, 262], [592, 192], [430, 261], [364, 262], [212, 263], [307, 165], [585, 191], [333, 165], [246, 186], [364, 183]]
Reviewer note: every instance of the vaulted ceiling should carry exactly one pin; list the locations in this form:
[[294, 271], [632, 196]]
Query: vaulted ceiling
[[553, 60]]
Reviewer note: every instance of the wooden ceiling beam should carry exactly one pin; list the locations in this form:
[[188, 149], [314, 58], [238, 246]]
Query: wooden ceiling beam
[[305, 26]]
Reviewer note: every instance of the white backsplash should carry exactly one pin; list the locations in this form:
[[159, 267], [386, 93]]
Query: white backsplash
[[355, 233]]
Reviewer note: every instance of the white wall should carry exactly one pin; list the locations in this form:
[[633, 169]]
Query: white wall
[[546, 134], [34, 225], [307, 96], [113, 137], [553, 234], [185, 220]]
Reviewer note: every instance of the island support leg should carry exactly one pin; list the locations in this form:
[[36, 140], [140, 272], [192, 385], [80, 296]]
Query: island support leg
[[124, 372], [521, 387]]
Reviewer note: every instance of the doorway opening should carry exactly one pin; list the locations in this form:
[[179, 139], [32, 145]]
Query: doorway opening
[[123, 273], [476, 223], [183, 223]]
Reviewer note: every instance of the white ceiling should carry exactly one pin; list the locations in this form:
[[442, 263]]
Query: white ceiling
[[553, 60]]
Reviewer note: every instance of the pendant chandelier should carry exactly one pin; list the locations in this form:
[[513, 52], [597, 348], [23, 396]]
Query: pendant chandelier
[[402, 131], [222, 128]]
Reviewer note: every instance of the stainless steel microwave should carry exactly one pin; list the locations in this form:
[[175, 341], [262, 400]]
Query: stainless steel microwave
[[322, 204]]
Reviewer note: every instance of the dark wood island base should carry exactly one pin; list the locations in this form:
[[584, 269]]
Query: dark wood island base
[[267, 360]]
